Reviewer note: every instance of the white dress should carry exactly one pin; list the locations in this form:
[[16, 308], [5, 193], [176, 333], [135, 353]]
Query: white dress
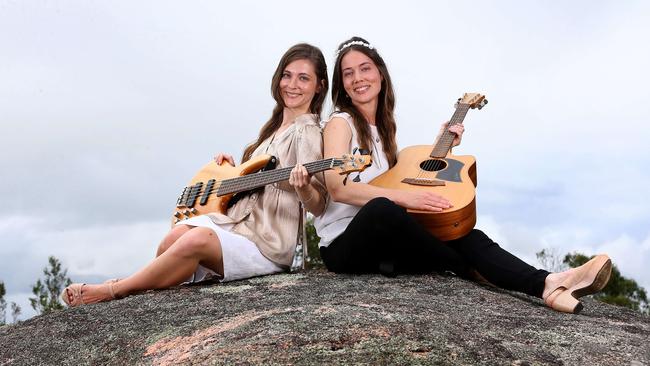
[[241, 258]]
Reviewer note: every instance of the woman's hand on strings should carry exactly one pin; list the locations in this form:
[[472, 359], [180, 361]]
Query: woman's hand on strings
[[220, 158], [458, 129], [299, 178]]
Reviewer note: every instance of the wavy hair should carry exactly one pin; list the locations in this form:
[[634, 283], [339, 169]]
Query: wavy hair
[[301, 51], [384, 119]]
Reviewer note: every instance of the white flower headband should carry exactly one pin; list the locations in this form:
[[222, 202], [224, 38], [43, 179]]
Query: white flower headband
[[352, 43]]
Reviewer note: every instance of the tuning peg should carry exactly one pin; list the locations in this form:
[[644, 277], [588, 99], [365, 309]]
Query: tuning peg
[[177, 215], [194, 211]]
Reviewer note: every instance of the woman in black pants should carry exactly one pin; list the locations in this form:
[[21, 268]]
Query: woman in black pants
[[366, 229]]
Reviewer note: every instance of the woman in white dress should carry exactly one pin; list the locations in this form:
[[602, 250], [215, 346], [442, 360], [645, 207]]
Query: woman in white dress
[[258, 234]]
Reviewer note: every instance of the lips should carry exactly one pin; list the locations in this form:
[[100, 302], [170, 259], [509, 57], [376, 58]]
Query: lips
[[361, 89], [292, 95]]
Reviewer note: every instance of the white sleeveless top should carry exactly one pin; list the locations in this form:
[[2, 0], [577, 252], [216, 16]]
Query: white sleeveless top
[[338, 215]]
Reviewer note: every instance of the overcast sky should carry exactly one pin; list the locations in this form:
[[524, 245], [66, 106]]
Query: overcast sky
[[107, 109]]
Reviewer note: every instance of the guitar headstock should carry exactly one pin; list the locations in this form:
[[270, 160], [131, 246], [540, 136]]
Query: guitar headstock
[[474, 100], [349, 163]]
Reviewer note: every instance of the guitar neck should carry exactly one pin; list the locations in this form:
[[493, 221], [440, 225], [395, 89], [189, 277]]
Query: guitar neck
[[443, 144], [260, 179]]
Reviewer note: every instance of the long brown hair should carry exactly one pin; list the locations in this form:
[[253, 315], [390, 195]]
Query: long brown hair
[[301, 51], [384, 119]]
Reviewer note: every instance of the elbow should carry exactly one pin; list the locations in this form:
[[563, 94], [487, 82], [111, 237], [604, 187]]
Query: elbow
[[337, 194]]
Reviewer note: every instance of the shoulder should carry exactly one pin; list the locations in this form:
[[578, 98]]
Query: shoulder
[[340, 122], [307, 121], [307, 125], [338, 115]]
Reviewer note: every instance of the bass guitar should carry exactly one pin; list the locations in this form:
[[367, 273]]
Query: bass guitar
[[214, 185], [433, 168]]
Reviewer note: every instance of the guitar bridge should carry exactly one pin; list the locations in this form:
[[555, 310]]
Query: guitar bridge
[[423, 182]]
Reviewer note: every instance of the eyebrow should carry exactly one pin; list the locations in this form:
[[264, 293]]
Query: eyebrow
[[361, 64], [300, 73]]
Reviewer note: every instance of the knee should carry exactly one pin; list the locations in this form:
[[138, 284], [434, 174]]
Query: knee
[[195, 241], [382, 207], [479, 239], [171, 237]]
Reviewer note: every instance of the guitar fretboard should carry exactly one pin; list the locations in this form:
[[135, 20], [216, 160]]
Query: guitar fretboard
[[260, 179], [443, 144]]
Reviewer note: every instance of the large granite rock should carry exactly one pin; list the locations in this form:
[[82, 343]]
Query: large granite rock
[[321, 318]]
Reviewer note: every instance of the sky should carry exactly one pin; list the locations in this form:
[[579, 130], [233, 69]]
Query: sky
[[107, 109]]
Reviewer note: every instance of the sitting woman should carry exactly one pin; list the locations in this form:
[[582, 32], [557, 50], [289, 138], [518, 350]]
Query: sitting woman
[[258, 234], [366, 229]]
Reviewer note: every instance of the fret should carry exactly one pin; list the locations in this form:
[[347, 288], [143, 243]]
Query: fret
[[446, 139], [260, 179]]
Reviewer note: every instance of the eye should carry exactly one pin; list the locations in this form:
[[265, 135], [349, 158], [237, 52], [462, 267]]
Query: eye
[[286, 75], [365, 68], [304, 78], [347, 74]]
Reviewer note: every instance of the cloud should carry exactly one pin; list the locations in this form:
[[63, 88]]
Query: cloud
[[111, 250], [630, 254], [108, 109]]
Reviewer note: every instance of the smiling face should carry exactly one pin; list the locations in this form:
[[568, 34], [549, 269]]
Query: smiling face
[[361, 77], [298, 85]]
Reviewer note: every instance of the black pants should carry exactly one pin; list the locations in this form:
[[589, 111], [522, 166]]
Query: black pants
[[384, 238]]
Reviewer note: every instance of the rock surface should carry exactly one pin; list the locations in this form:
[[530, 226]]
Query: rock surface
[[322, 319]]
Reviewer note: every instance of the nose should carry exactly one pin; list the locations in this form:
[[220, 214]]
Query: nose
[[356, 77], [293, 82]]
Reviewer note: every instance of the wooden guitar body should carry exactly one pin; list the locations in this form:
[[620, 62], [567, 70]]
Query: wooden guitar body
[[453, 177], [433, 168]]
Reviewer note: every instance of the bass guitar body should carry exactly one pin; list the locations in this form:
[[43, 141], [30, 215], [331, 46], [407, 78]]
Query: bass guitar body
[[453, 177], [212, 188], [199, 189]]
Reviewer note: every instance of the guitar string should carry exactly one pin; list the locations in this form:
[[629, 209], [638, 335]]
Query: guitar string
[[233, 183], [252, 179], [270, 178], [432, 166]]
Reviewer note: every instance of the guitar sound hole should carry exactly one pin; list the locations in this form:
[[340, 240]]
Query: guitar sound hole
[[433, 165]]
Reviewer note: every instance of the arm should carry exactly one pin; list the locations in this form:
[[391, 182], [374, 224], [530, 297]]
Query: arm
[[336, 138], [311, 191]]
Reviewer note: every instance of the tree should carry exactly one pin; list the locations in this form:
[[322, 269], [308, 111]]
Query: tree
[[620, 290], [551, 260], [15, 309], [313, 259], [3, 303], [15, 312], [47, 292]]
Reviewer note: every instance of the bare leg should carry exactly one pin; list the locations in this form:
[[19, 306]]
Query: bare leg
[[197, 246], [174, 234]]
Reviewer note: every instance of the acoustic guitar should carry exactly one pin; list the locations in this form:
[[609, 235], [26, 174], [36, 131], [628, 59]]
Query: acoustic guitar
[[214, 185], [433, 168]]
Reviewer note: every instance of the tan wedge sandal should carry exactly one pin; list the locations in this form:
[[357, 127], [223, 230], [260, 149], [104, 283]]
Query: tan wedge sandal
[[587, 279], [76, 290]]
